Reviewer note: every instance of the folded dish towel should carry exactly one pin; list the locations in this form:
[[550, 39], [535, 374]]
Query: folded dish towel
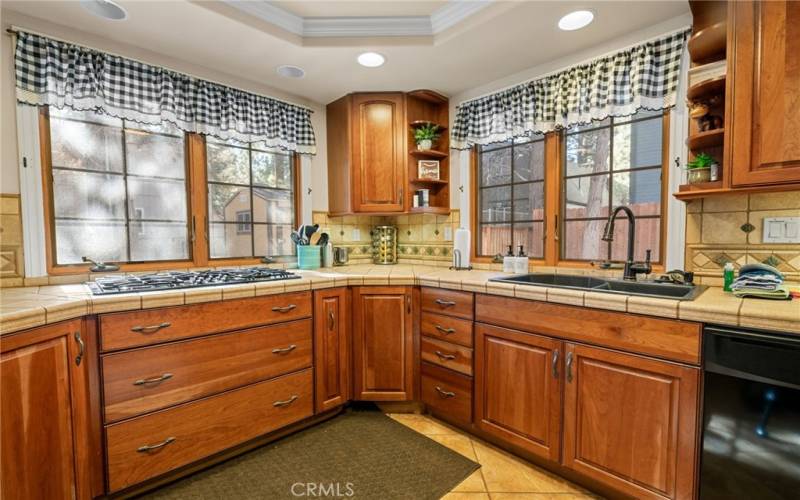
[[759, 280]]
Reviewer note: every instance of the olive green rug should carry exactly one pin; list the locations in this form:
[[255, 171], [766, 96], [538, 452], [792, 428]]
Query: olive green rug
[[361, 454]]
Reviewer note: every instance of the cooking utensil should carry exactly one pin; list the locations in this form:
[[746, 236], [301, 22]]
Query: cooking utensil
[[311, 229], [323, 239], [296, 239], [314, 239]]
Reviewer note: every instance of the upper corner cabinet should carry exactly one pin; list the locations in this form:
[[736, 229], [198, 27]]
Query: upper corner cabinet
[[764, 76], [371, 162]]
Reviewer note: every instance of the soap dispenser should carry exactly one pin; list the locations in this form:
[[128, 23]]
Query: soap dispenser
[[521, 262], [508, 260]]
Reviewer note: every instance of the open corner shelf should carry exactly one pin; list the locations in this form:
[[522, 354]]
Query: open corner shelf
[[708, 139], [431, 210], [429, 153], [709, 43], [714, 86], [700, 190], [419, 123], [429, 182]]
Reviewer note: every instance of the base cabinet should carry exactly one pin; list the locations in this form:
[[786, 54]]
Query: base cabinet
[[44, 414], [518, 388], [332, 347], [630, 422], [383, 343]]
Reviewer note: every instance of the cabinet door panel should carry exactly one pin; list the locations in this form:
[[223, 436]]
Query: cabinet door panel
[[332, 347], [765, 93], [378, 140], [630, 422], [383, 344], [518, 388]]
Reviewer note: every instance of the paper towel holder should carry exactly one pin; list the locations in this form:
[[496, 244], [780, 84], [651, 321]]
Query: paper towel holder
[[457, 262]]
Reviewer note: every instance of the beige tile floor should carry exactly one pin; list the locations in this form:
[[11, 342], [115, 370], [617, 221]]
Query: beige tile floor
[[502, 476]]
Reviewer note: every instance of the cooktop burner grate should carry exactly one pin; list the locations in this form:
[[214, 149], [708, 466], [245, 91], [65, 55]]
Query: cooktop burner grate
[[129, 283]]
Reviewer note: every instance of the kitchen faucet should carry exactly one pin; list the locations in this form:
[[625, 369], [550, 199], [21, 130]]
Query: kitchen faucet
[[631, 268]]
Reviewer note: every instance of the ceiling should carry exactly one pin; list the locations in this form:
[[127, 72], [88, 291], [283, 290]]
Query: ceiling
[[477, 47]]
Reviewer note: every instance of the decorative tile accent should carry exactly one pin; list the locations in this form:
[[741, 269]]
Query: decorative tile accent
[[747, 227]]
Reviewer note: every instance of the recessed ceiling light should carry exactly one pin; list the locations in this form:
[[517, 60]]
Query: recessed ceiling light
[[371, 59], [105, 9], [288, 71], [576, 20]]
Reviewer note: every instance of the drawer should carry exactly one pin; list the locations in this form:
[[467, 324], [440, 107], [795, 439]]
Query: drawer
[[457, 331], [151, 445], [447, 392], [151, 378], [450, 302], [132, 329], [452, 356], [666, 338]]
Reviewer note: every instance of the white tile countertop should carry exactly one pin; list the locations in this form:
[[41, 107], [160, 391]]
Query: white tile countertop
[[27, 307]]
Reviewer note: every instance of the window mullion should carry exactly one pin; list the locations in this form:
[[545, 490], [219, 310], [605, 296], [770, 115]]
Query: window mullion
[[127, 193]]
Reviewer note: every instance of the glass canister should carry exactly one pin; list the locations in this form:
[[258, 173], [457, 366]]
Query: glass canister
[[384, 244]]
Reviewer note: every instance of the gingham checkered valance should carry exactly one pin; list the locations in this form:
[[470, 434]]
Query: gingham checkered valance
[[644, 76], [54, 73]]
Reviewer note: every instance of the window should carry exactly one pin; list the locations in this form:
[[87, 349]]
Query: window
[[119, 190], [510, 205], [251, 202], [617, 161]]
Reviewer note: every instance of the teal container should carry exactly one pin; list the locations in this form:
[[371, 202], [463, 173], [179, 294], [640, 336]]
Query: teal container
[[309, 256]]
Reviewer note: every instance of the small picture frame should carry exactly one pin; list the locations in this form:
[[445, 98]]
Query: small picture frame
[[428, 169]]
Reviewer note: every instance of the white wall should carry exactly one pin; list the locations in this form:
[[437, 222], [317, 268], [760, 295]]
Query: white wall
[[9, 176]]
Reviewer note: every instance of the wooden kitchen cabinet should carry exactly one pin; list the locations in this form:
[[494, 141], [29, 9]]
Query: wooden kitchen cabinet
[[383, 343], [630, 422], [46, 444], [518, 388], [332, 347], [366, 154], [764, 92]]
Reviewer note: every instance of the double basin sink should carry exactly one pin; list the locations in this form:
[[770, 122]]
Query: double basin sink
[[608, 285]]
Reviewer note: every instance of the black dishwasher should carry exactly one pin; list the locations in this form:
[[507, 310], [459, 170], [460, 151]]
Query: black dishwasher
[[751, 416]]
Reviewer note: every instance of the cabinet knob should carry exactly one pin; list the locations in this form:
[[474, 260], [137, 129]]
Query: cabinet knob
[[445, 303], [154, 380], [286, 402], [81, 348], [555, 364], [569, 367], [445, 357], [150, 447], [284, 309], [446, 331], [445, 394], [284, 350], [150, 328]]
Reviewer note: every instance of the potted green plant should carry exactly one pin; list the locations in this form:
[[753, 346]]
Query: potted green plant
[[425, 134], [699, 169]]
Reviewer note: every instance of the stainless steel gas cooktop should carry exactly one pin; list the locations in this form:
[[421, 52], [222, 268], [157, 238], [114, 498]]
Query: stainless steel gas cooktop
[[130, 283]]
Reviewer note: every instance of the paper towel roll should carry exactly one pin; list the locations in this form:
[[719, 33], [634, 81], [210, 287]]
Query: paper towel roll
[[461, 243]]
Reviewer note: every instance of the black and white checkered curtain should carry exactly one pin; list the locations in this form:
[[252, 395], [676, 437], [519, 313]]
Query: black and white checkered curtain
[[59, 74], [645, 76]]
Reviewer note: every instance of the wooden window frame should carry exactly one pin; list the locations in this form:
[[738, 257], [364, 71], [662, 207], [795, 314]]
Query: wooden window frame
[[554, 164], [197, 199]]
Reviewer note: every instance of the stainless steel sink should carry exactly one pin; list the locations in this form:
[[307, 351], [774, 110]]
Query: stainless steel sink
[[608, 285]]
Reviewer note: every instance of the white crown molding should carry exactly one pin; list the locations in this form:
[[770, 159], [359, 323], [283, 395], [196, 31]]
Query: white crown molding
[[453, 12]]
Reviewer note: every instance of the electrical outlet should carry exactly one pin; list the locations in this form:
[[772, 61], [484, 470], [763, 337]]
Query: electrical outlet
[[448, 233], [356, 234], [781, 229]]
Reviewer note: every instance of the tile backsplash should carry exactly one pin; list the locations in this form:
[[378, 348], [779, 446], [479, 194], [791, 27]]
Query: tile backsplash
[[730, 229], [422, 238]]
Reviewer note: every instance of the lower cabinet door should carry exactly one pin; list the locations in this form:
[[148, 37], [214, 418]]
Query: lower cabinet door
[[518, 388], [383, 343], [631, 422], [151, 445], [332, 347]]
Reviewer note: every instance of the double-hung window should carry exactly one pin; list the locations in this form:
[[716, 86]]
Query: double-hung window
[[510, 205], [118, 190], [251, 201]]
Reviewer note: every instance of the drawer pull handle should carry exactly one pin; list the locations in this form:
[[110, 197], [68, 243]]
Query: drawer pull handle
[[81, 348], [555, 364], [284, 309], [150, 447], [446, 331], [445, 303], [445, 394], [445, 357], [289, 401], [569, 367], [154, 380], [151, 328], [284, 350]]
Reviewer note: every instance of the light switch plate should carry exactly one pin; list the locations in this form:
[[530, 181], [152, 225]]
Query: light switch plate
[[448, 233], [356, 234], [781, 230]]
